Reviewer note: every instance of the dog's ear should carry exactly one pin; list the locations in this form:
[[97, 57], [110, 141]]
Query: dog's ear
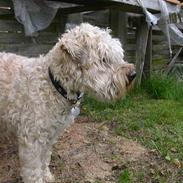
[[64, 49], [75, 52], [68, 50]]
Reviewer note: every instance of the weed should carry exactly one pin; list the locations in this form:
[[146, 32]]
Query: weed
[[125, 177]]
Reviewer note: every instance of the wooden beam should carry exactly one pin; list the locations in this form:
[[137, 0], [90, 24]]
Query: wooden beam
[[124, 5], [141, 45], [81, 8], [28, 49], [133, 6], [6, 3], [172, 62], [85, 2], [148, 57], [118, 22], [10, 25]]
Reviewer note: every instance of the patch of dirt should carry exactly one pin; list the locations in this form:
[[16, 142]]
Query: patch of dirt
[[88, 152], [9, 165]]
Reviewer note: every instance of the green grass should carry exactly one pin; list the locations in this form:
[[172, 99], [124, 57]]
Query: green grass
[[161, 86], [153, 116], [155, 123], [125, 177]]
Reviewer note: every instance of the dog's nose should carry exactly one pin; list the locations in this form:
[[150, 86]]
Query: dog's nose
[[132, 76]]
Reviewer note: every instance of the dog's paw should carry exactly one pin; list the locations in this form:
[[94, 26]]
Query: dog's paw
[[48, 176]]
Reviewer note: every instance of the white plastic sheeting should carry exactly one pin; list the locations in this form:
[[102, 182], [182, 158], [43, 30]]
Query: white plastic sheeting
[[35, 15], [162, 20], [150, 18]]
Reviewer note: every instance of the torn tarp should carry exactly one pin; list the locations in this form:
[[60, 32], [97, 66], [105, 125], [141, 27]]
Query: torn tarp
[[172, 32], [35, 15]]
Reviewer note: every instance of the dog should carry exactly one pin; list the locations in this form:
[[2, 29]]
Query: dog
[[40, 97]]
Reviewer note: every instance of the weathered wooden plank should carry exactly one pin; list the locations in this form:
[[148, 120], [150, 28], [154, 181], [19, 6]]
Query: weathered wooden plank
[[172, 62], [99, 18], [10, 25], [130, 59], [47, 38], [86, 8], [159, 39], [7, 17], [152, 5], [158, 47], [161, 53], [26, 49], [156, 39], [118, 22], [6, 7], [148, 57], [13, 38], [125, 5], [142, 37], [157, 32], [134, 7], [6, 3], [131, 41], [130, 47], [54, 27], [15, 26], [6, 12], [130, 53]]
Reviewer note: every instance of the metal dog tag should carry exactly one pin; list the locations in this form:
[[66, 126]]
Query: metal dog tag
[[75, 111]]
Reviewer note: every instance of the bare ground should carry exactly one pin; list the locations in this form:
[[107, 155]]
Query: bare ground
[[90, 152]]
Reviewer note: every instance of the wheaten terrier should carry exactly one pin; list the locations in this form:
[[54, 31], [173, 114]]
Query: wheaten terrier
[[39, 97]]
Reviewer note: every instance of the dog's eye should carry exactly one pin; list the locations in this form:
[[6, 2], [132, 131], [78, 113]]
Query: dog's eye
[[104, 60]]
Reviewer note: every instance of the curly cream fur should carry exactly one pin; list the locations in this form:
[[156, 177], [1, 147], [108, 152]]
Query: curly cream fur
[[85, 58]]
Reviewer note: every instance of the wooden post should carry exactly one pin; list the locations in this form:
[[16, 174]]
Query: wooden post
[[141, 45], [118, 24], [148, 57], [172, 62]]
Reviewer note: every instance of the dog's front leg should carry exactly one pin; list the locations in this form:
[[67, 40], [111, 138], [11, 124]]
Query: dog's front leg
[[30, 161], [46, 157]]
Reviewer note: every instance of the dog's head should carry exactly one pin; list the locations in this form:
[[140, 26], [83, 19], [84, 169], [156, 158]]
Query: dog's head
[[99, 61]]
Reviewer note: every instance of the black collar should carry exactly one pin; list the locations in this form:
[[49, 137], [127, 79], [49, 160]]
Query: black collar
[[61, 90]]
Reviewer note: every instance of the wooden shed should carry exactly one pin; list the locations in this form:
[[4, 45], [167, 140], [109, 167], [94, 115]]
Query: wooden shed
[[143, 44]]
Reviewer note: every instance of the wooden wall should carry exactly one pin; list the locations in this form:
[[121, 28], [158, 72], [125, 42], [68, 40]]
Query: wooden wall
[[12, 38]]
